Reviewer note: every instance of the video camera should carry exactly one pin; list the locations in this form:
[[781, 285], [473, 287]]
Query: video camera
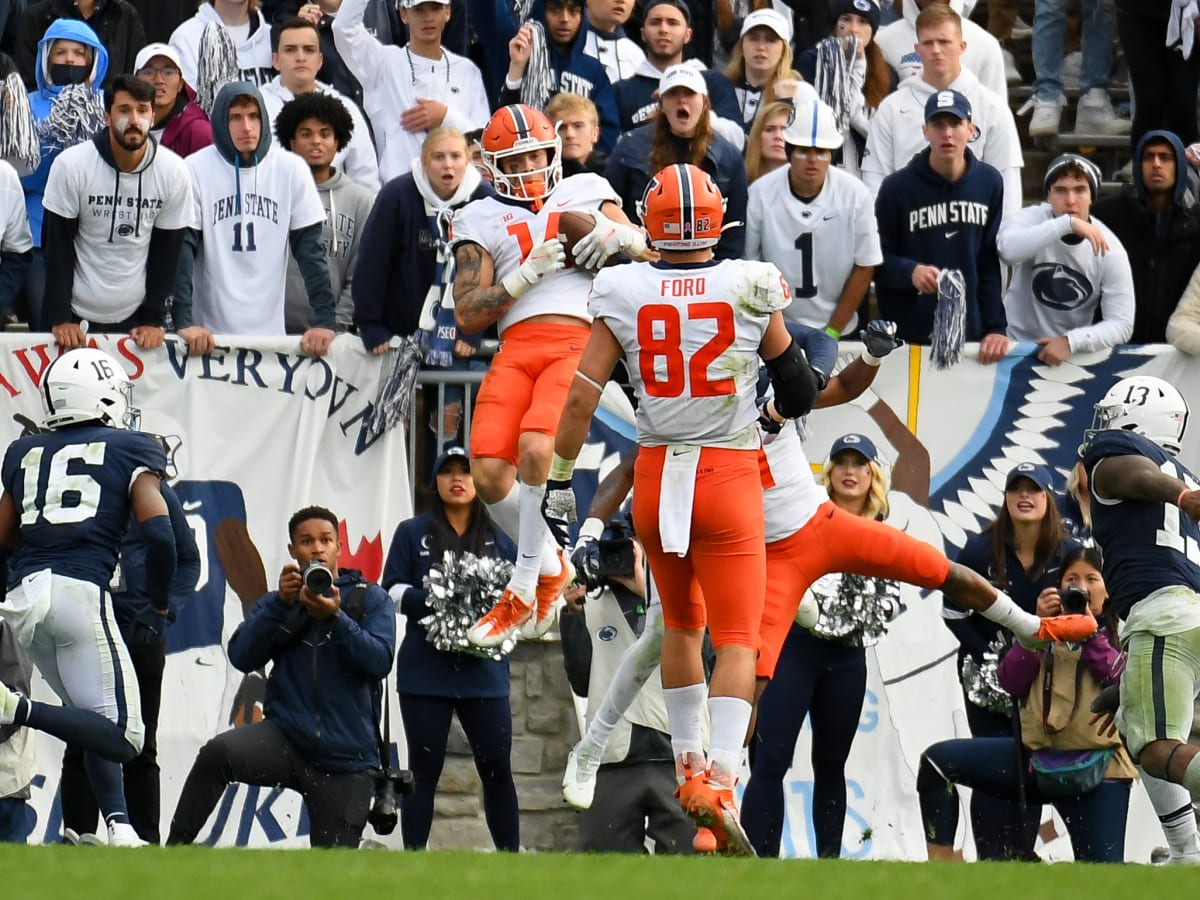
[[389, 783]]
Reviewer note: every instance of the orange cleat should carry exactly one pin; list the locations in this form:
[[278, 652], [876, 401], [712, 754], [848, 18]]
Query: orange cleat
[[715, 813], [549, 594], [1067, 628], [501, 621], [704, 841]]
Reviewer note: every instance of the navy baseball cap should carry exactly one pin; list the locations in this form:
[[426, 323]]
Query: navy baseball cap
[[859, 443], [1039, 475], [947, 103], [448, 454], [680, 5]]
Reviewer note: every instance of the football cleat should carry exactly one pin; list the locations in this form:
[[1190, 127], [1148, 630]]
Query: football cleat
[[1065, 629], [121, 834], [579, 779], [704, 841], [549, 599], [714, 811], [501, 621]]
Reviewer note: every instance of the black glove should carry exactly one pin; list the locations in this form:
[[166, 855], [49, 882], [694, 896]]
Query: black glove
[[880, 339], [149, 626], [765, 422], [558, 509], [586, 560]]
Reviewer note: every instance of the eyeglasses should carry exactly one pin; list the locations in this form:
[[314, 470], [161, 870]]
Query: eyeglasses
[[150, 72]]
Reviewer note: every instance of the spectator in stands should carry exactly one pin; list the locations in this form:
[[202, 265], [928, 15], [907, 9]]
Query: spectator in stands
[[17, 763], [821, 675], [1159, 227], [69, 53], [1002, 18], [1075, 506], [817, 224], [144, 630], [436, 684], [920, 239], [1162, 81], [180, 124], [1054, 723], [1183, 328], [296, 47], [116, 210], [546, 56], [761, 65], [161, 17], [894, 137], [666, 30], [766, 149], [1094, 113], [870, 79], [982, 55], [578, 126], [410, 91], [245, 26], [682, 132], [380, 18], [635, 783], [253, 203], [115, 22], [317, 127], [605, 38], [1021, 552], [1071, 289], [329, 652], [16, 242]]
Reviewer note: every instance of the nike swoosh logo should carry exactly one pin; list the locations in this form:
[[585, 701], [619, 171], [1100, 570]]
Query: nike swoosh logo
[[678, 452], [530, 555], [561, 203], [950, 234], [827, 218]]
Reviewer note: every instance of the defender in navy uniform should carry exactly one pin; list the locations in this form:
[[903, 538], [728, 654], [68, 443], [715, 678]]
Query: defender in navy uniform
[[1145, 506], [66, 503]]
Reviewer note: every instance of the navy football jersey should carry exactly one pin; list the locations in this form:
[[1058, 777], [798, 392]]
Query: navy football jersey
[[71, 489], [1146, 546]]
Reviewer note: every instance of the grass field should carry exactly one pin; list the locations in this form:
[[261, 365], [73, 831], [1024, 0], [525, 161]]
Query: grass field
[[69, 872]]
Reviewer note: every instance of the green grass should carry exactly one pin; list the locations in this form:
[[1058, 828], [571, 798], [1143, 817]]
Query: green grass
[[68, 872]]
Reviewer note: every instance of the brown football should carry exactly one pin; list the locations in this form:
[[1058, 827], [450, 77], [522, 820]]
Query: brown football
[[572, 226]]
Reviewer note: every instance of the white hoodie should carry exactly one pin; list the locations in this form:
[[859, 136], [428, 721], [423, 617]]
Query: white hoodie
[[982, 56], [253, 54]]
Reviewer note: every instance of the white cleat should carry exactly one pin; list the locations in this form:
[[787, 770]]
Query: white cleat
[[579, 779], [121, 834]]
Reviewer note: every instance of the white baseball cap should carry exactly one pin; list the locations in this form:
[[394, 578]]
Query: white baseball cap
[[150, 51], [684, 76], [409, 4], [768, 18]]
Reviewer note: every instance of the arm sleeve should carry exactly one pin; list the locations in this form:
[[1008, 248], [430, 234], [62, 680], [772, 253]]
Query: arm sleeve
[[181, 304], [362, 162], [877, 161], [58, 245], [314, 269], [13, 267], [1102, 659], [367, 647], [187, 554], [162, 264], [361, 52], [576, 650], [159, 538], [897, 269], [253, 644], [400, 570], [372, 266], [1013, 191], [1183, 328], [1116, 305], [1018, 670], [1028, 231]]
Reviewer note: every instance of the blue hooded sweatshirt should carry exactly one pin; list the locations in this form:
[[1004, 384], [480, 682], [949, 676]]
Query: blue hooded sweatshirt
[[43, 98]]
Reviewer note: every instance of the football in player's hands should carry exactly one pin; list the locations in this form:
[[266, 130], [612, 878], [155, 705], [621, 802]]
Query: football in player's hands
[[573, 227], [880, 338]]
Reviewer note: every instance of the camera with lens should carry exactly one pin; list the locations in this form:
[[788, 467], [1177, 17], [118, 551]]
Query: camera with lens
[[317, 578], [1075, 600], [389, 783], [616, 558]]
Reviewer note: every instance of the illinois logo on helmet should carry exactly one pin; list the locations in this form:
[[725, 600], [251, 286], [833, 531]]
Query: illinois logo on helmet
[[514, 131], [682, 209]]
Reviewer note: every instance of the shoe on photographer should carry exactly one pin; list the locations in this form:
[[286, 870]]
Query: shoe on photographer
[[1065, 629]]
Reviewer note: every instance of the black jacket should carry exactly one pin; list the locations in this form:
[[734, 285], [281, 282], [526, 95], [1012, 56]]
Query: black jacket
[[115, 22]]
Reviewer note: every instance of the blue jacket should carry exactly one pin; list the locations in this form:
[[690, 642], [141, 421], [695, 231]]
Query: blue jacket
[[324, 688], [926, 220], [629, 172], [396, 262], [420, 667], [43, 98]]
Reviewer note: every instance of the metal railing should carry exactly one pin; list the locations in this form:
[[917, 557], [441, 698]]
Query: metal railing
[[443, 379]]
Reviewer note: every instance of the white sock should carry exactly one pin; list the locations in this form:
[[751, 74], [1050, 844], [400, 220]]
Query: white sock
[[1173, 805], [531, 541], [506, 512], [730, 719], [1005, 613], [685, 706]]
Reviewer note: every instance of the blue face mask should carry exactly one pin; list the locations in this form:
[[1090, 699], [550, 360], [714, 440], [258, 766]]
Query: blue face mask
[[62, 74]]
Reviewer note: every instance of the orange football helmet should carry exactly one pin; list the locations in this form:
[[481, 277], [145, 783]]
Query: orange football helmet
[[515, 130], [682, 209]]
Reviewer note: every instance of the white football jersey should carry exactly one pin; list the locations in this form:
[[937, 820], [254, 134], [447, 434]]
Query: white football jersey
[[508, 230], [794, 499], [815, 244], [241, 270], [690, 337], [117, 212]]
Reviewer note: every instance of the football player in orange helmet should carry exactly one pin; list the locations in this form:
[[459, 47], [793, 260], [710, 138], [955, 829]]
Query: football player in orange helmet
[[692, 330], [511, 271]]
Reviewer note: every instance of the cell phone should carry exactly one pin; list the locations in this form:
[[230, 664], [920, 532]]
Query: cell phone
[[616, 558]]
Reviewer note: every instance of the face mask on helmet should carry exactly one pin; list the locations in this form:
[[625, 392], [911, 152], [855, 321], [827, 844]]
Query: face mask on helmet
[[1144, 405], [88, 385], [512, 132]]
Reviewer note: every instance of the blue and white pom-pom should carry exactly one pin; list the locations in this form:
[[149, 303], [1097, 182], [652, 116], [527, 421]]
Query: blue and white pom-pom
[[949, 319], [982, 681], [462, 588]]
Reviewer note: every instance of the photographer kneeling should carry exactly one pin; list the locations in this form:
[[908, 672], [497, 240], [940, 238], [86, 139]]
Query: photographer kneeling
[[1069, 758], [330, 637]]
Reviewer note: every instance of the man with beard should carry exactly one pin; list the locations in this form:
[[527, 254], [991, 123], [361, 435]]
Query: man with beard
[[115, 212]]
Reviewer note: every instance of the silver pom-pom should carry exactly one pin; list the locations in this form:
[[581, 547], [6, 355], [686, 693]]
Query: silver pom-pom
[[462, 588], [855, 609], [76, 114], [981, 679]]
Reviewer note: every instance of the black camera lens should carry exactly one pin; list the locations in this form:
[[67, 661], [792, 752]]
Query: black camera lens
[[1075, 600], [317, 578]]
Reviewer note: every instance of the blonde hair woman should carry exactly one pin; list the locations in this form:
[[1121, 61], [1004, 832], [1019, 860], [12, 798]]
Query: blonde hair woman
[[760, 65], [766, 149]]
